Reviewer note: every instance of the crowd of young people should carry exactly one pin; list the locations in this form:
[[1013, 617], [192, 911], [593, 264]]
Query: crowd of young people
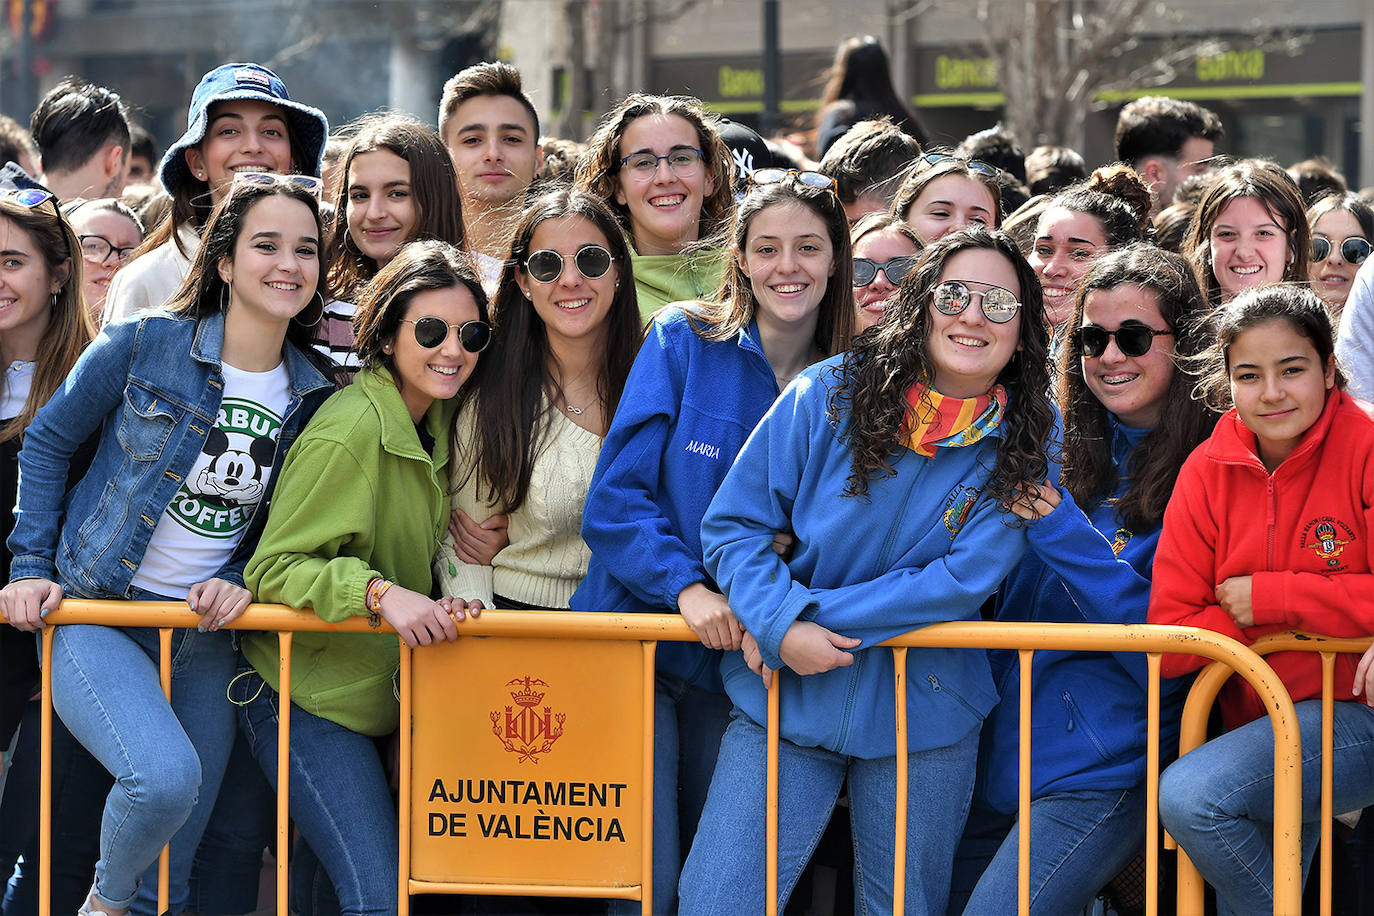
[[807, 406]]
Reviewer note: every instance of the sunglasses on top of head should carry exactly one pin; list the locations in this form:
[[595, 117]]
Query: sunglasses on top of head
[[431, 331], [1132, 339], [1354, 250], [546, 265]]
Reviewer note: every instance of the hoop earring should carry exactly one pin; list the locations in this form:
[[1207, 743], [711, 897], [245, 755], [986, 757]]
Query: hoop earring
[[318, 318], [54, 301]]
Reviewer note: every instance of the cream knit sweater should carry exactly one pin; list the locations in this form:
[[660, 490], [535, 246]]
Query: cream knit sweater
[[546, 558]]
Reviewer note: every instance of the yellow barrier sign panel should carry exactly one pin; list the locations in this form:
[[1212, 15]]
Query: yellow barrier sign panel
[[527, 762]]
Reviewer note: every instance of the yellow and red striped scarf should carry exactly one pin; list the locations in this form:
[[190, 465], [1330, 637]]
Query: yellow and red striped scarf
[[936, 421]]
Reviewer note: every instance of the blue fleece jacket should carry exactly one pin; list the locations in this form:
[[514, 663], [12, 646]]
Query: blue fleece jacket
[[688, 406], [925, 546], [1088, 709]]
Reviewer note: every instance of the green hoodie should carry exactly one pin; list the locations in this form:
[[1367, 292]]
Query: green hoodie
[[662, 279], [358, 497]]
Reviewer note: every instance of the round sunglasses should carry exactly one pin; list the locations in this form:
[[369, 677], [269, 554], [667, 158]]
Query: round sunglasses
[[1131, 339], [1354, 250], [546, 265], [953, 296], [431, 331], [866, 270]]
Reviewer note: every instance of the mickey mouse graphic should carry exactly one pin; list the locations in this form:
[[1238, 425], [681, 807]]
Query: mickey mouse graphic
[[234, 477]]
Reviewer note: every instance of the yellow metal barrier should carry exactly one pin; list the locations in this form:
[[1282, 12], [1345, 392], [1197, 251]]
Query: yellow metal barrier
[[1024, 637], [1193, 733]]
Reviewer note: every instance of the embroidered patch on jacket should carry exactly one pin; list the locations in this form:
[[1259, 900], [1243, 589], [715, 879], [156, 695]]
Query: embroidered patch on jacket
[[958, 507], [705, 449], [1328, 537], [1120, 540]]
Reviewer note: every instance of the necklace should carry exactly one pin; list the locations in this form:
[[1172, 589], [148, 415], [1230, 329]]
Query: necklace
[[575, 410]]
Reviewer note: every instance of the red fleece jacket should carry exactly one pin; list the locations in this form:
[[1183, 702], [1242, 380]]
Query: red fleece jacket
[[1303, 533]]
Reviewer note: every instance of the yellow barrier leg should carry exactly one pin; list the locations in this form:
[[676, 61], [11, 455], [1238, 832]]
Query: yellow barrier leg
[[1328, 722], [899, 862], [1024, 789], [646, 889], [1152, 788], [283, 771], [45, 781], [403, 818], [164, 859], [770, 864]]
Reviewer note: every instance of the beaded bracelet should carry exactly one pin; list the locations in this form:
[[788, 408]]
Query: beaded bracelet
[[372, 599]]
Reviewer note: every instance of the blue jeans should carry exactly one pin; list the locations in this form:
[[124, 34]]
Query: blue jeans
[[688, 724], [339, 796], [1218, 800], [1079, 842], [228, 863], [166, 760], [725, 869]]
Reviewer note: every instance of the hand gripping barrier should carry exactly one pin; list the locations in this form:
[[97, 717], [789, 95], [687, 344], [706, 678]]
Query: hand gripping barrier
[[646, 630]]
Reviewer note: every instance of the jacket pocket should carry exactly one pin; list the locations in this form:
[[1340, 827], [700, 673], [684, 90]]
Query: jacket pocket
[[1077, 722], [146, 422]]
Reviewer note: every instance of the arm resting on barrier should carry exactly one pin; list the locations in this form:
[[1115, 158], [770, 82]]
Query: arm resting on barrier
[[323, 503]]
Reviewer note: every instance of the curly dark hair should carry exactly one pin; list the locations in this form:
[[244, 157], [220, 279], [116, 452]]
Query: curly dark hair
[[889, 358], [1089, 472]]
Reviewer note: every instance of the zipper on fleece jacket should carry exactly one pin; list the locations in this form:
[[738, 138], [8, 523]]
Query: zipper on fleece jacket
[[1270, 521]]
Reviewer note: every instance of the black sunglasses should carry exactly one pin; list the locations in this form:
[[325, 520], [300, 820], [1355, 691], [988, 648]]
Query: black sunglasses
[[1131, 339], [866, 270], [431, 331], [546, 265], [1354, 250]]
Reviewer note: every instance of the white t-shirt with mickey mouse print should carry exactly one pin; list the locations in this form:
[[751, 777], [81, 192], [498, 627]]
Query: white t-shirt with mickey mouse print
[[205, 522]]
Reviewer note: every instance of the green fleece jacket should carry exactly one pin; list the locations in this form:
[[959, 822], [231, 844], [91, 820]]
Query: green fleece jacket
[[662, 279], [358, 497]]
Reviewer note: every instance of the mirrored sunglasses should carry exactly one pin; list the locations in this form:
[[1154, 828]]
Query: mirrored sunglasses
[[28, 197], [809, 179], [309, 183], [1131, 339], [974, 165], [866, 270], [1354, 250], [431, 331], [953, 296], [546, 265]]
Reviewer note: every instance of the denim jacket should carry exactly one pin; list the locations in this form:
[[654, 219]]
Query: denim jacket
[[155, 383]]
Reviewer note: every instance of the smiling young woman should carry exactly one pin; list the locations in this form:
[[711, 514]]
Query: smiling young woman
[[1249, 230], [187, 518], [661, 165], [241, 119], [895, 466], [1137, 312], [1269, 529], [352, 532], [705, 375], [529, 433]]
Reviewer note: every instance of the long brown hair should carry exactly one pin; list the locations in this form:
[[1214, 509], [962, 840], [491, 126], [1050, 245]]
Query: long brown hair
[[735, 306], [599, 167], [891, 357], [1089, 474], [204, 292], [433, 188], [1272, 187], [71, 328], [512, 418]]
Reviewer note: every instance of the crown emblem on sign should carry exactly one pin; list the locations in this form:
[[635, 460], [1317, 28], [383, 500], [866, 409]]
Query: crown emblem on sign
[[527, 696], [524, 729]]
